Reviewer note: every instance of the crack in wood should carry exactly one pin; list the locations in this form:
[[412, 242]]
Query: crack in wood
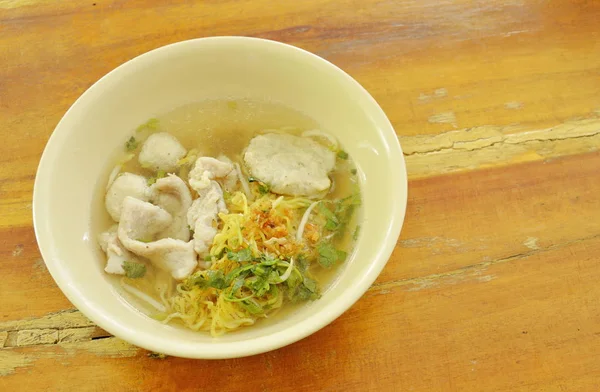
[[13, 358], [65, 326], [469, 138], [70, 326], [80, 330], [69, 318], [471, 271], [49, 336], [487, 146]]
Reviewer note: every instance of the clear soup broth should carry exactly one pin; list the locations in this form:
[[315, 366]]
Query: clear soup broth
[[226, 127]]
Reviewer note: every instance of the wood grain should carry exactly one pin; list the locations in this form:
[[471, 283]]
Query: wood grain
[[526, 307], [493, 283]]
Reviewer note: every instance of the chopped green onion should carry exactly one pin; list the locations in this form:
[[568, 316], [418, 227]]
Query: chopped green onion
[[342, 154], [131, 144], [151, 124]]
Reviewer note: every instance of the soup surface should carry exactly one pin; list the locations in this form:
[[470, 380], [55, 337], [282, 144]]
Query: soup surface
[[222, 213]]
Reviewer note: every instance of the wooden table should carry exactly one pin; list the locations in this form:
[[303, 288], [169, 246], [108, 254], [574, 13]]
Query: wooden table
[[495, 282]]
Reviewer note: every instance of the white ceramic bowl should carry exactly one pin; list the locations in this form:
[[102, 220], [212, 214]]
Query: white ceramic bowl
[[99, 122]]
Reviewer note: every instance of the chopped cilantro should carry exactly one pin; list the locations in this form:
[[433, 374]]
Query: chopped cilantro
[[216, 279], [237, 284], [259, 285], [252, 306], [239, 272], [259, 270], [134, 270], [268, 260], [308, 290], [343, 209], [263, 188], [131, 144], [342, 154], [328, 255], [211, 278], [310, 284], [293, 281], [332, 220], [331, 224], [274, 277], [242, 255], [353, 171], [302, 262], [256, 285]]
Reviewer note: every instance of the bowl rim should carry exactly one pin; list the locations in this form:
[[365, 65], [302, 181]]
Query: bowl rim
[[216, 350]]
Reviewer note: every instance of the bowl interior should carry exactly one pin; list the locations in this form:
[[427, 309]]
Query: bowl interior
[[77, 156]]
